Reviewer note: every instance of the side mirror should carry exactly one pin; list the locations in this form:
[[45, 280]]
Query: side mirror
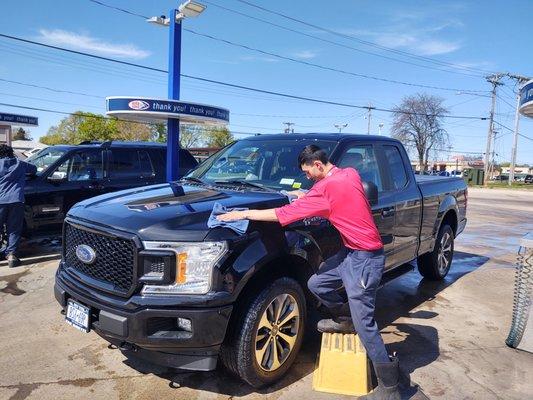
[[371, 192], [57, 177]]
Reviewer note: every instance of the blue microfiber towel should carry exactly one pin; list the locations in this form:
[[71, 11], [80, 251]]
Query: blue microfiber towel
[[238, 227]]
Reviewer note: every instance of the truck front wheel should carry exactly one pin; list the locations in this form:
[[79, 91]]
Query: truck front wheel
[[435, 265], [267, 335]]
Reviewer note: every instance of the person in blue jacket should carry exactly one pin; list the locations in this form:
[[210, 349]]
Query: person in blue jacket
[[12, 181]]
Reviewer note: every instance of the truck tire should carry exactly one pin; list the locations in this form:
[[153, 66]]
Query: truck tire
[[436, 264], [265, 338]]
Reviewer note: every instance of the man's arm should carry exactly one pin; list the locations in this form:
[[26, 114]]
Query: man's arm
[[254, 215]]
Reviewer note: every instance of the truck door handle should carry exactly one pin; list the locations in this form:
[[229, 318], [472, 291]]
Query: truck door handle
[[387, 212]]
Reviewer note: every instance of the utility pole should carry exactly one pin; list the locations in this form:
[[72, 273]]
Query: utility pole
[[495, 81], [288, 129], [340, 127], [369, 117], [520, 80]]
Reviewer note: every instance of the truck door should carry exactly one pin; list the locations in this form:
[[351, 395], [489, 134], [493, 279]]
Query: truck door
[[362, 156], [408, 205]]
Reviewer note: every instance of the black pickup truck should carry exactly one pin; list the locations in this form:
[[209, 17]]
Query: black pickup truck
[[142, 269]]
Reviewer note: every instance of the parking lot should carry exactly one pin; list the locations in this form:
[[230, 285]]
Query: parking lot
[[450, 335]]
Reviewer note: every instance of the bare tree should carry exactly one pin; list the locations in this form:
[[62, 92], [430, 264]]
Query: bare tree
[[418, 123]]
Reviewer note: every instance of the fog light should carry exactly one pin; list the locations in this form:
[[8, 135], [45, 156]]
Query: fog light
[[185, 324]]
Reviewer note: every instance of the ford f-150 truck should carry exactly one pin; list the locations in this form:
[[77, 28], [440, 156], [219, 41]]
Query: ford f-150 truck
[[142, 269]]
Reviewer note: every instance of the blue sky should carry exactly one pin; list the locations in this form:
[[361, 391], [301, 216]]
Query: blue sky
[[492, 37]]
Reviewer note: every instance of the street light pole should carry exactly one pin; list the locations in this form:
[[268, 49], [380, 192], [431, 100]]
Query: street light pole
[[187, 9], [340, 127], [174, 71]]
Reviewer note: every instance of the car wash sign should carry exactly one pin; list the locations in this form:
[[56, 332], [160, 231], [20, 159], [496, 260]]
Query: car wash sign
[[526, 99], [15, 119], [157, 110]]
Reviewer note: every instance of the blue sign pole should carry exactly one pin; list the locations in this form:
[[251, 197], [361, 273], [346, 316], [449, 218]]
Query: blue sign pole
[[174, 70]]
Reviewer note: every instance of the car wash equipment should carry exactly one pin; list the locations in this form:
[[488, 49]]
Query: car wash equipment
[[521, 333]]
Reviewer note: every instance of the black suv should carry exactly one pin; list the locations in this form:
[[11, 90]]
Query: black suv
[[67, 174]]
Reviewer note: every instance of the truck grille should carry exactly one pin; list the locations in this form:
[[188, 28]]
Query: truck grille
[[115, 258]]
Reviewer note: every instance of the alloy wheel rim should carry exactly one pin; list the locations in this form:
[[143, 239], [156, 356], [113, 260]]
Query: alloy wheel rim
[[445, 253], [277, 332]]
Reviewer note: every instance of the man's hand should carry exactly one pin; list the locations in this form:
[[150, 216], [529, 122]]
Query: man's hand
[[297, 193], [232, 216]]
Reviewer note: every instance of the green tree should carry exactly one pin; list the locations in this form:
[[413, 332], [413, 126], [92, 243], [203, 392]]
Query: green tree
[[21, 134], [218, 137]]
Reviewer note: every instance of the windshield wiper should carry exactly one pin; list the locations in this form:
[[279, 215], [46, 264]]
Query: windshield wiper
[[193, 179], [247, 183]]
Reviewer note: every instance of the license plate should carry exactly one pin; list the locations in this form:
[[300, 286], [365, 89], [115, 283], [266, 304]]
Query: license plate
[[78, 316]]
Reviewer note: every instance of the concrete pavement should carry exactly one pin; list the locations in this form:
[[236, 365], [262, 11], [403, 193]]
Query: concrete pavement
[[450, 335]]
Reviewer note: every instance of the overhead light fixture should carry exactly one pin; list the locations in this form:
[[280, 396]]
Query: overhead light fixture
[[191, 9], [161, 21]]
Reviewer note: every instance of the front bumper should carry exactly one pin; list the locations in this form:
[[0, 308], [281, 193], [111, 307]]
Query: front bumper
[[151, 332]]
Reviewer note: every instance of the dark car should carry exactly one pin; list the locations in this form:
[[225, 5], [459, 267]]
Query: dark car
[[69, 174], [528, 179], [143, 270]]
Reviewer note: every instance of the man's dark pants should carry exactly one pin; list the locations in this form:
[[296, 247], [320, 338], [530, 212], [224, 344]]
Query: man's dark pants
[[12, 215], [360, 273]]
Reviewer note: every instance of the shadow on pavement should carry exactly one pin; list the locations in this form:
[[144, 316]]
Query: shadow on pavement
[[419, 343]]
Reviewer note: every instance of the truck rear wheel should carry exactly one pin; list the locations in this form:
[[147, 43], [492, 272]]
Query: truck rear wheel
[[267, 335], [435, 265]]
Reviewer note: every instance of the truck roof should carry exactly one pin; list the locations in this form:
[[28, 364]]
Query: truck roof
[[112, 144], [321, 136]]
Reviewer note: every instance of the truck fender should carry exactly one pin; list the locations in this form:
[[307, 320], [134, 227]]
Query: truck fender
[[448, 204], [256, 259]]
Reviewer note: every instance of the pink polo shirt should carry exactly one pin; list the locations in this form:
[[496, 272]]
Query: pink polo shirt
[[340, 198]]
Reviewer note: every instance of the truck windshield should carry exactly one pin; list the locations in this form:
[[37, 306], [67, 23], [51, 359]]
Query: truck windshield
[[270, 163], [44, 158]]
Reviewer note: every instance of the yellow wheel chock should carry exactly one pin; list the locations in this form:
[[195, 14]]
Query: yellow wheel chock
[[342, 366]]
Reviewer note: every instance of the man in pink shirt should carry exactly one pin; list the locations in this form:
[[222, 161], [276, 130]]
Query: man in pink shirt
[[338, 196]]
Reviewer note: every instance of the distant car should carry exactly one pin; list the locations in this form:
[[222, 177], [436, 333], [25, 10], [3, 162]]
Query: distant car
[[69, 174], [528, 179], [31, 152], [501, 178]]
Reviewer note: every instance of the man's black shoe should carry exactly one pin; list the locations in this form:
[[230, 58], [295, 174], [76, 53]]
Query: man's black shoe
[[12, 261], [336, 325]]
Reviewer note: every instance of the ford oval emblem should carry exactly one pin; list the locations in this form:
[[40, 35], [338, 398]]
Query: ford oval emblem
[[138, 105], [85, 254]]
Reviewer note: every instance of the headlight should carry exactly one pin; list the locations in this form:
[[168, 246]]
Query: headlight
[[194, 266]]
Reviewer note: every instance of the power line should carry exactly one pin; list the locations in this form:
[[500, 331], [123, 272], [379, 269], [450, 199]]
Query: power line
[[322, 67], [368, 43], [49, 88], [331, 69], [333, 42], [118, 9], [286, 95], [228, 42]]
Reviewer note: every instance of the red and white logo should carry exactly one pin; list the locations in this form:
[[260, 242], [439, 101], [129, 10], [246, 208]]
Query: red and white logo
[[138, 105]]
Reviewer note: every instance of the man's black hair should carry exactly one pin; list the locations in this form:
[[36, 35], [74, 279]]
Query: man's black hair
[[312, 153], [6, 151]]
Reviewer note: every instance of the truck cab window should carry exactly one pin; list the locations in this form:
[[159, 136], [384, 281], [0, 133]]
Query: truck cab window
[[363, 159], [396, 166], [86, 165], [125, 163]]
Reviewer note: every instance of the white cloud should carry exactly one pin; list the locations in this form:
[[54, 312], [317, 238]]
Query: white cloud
[[305, 54], [84, 42], [264, 59], [434, 47]]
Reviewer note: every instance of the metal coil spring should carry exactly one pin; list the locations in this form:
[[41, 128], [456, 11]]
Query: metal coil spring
[[522, 296]]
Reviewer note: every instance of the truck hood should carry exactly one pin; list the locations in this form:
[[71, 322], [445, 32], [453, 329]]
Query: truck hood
[[173, 212]]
